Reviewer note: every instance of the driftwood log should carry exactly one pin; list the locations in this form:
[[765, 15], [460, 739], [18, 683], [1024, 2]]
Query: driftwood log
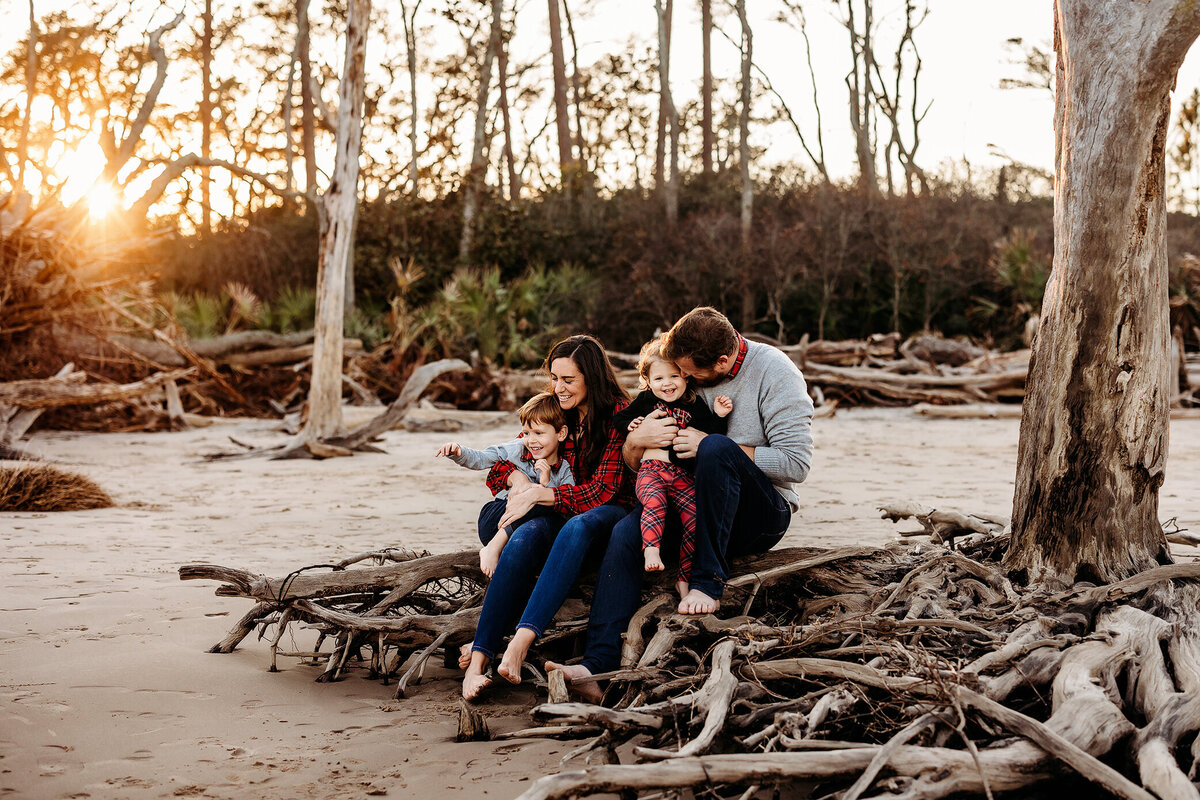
[[903, 671]]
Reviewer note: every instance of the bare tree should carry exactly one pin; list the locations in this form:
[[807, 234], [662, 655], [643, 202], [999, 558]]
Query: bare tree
[[117, 155], [1093, 444], [576, 92], [308, 124], [31, 70], [410, 45], [478, 168], [669, 117], [860, 82], [706, 86], [206, 115], [510, 162], [561, 111], [892, 105], [744, 158]]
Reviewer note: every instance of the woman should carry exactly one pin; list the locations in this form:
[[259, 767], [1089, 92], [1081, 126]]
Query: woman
[[586, 386]]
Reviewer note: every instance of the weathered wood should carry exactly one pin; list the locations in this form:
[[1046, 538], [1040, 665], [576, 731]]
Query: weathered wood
[[1093, 442], [70, 390], [472, 727], [416, 384]]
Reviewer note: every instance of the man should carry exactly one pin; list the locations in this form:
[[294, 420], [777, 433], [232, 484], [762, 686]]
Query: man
[[744, 480], [744, 493]]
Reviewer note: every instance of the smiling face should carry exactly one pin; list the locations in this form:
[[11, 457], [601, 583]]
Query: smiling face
[[568, 385], [542, 440], [665, 380]]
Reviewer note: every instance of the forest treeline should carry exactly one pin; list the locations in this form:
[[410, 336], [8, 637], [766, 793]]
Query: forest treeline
[[825, 261]]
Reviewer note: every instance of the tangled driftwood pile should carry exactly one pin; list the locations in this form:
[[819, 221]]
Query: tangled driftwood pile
[[915, 672]]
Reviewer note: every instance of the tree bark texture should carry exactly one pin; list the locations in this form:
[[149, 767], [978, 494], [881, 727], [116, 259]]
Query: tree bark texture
[[1093, 440], [410, 46], [325, 394]]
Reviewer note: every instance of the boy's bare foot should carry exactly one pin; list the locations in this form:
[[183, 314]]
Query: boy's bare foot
[[464, 655], [476, 679], [587, 690], [489, 556], [514, 655], [653, 561], [681, 586], [697, 602]]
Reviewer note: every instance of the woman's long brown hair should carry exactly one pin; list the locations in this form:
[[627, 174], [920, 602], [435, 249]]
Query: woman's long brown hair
[[603, 394]]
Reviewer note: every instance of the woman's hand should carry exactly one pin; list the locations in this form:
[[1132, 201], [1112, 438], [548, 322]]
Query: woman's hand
[[522, 502]]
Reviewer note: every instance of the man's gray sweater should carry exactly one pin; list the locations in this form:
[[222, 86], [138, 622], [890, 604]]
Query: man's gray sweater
[[512, 452], [772, 413]]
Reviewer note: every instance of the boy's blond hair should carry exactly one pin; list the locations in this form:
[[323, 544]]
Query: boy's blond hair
[[543, 408], [652, 351]]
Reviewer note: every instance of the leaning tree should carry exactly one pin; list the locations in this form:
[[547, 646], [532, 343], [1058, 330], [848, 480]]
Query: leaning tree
[[1093, 443]]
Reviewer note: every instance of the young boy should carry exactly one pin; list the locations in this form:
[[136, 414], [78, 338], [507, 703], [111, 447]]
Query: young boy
[[536, 454]]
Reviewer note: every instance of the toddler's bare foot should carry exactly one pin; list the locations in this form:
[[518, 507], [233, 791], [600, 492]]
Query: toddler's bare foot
[[653, 561], [681, 586], [697, 602], [464, 655], [514, 655], [587, 690]]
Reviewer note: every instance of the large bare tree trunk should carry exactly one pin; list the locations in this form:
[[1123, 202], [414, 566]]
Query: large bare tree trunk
[[668, 114], [706, 86], [206, 117], [576, 91], [341, 201], [562, 114], [1094, 428], [478, 168], [307, 112]]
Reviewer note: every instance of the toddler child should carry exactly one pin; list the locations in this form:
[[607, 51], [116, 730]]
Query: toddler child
[[536, 454], [663, 476]]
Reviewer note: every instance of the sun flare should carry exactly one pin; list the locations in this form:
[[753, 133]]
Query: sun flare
[[101, 200]]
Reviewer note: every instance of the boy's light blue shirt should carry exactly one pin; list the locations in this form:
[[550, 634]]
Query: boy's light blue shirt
[[513, 452]]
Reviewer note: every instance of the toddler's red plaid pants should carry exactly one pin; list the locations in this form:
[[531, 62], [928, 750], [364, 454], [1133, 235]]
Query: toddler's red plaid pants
[[660, 485]]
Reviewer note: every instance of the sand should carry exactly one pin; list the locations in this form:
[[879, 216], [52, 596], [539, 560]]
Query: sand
[[108, 690]]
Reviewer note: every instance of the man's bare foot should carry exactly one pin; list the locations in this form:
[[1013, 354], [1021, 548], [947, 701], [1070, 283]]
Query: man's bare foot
[[464, 655], [697, 602], [681, 586], [514, 655], [476, 679], [587, 690], [653, 561]]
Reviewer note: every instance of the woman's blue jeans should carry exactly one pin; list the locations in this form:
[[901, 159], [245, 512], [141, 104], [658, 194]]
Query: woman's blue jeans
[[513, 581], [578, 536]]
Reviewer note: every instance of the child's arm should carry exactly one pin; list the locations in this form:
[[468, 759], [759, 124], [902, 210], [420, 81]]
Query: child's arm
[[642, 405], [481, 459]]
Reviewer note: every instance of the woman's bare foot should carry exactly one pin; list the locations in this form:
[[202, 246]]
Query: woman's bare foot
[[514, 655], [681, 586], [476, 679], [587, 690], [697, 602], [464, 655], [653, 560]]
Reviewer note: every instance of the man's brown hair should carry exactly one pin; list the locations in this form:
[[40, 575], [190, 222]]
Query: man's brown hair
[[543, 408], [702, 335]]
